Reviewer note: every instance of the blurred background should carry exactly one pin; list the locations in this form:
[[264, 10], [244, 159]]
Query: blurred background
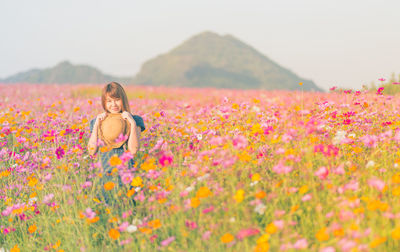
[[252, 44]]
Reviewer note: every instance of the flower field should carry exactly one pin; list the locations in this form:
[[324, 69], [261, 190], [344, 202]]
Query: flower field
[[218, 170]]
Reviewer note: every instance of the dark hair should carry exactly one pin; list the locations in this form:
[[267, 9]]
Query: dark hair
[[116, 91]]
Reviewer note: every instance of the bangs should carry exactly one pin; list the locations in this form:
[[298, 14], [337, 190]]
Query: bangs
[[114, 92]]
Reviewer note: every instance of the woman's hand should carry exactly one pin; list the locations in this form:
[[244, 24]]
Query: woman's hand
[[127, 116], [100, 117]]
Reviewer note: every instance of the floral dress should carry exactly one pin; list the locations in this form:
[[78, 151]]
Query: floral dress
[[105, 158]]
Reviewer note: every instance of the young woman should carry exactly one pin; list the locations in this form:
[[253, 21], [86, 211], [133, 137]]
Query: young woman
[[116, 129]]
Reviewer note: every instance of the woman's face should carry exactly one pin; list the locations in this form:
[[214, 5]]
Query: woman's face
[[113, 105]]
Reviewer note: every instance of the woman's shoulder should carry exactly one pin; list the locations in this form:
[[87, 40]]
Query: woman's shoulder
[[139, 121]]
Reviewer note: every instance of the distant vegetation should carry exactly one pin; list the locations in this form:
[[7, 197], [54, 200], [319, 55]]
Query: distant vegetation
[[390, 86]]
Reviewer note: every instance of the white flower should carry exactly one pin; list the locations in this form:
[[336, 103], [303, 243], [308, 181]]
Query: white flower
[[256, 109], [189, 189], [31, 201], [137, 189], [396, 165], [131, 228], [253, 183], [370, 164], [352, 135], [136, 222], [340, 135], [260, 208], [199, 136], [203, 177], [232, 219]]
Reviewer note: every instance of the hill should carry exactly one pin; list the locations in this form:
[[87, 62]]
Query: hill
[[62, 73], [211, 60]]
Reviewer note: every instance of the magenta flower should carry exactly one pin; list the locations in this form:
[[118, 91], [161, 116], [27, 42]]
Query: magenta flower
[[60, 152], [165, 160]]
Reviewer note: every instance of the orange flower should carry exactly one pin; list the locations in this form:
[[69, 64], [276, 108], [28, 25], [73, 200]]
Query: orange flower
[[203, 192], [15, 248], [271, 228], [109, 186], [322, 235], [261, 195], [194, 202], [32, 228], [114, 234], [226, 238], [154, 224], [115, 160]]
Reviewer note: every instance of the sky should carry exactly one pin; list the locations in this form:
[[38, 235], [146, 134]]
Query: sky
[[343, 43]]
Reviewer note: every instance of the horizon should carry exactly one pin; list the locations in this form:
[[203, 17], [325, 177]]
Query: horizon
[[335, 44]]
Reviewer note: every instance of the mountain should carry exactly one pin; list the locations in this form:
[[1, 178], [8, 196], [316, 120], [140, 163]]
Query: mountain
[[211, 60], [64, 72]]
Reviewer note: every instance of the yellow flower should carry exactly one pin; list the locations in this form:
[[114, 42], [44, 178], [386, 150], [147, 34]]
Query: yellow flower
[[263, 239], [396, 233], [226, 238], [256, 177], [396, 191], [262, 247], [109, 186], [303, 189], [137, 182], [114, 234], [322, 235], [203, 192], [239, 196], [271, 228], [115, 160]]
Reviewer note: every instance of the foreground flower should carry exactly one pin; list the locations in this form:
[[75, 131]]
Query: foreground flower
[[226, 238], [114, 234]]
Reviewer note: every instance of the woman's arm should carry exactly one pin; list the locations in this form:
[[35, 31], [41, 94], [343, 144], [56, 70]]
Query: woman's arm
[[92, 144], [134, 138]]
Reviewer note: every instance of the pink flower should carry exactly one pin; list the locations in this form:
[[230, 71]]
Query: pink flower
[[167, 241], [247, 232], [123, 226], [339, 170], [206, 235], [306, 197], [47, 198], [279, 224], [369, 140], [280, 168], [322, 173], [89, 213], [327, 249], [240, 142], [377, 183], [86, 184], [300, 244]]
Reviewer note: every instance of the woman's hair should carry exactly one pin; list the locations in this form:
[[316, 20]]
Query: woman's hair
[[116, 91]]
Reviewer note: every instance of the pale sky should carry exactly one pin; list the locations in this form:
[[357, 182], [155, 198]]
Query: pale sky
[[344, 43]]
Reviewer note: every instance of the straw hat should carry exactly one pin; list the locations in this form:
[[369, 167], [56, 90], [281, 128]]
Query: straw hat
[[111, 127]]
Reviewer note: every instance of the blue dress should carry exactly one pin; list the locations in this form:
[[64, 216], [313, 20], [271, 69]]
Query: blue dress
[[105, 158]]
